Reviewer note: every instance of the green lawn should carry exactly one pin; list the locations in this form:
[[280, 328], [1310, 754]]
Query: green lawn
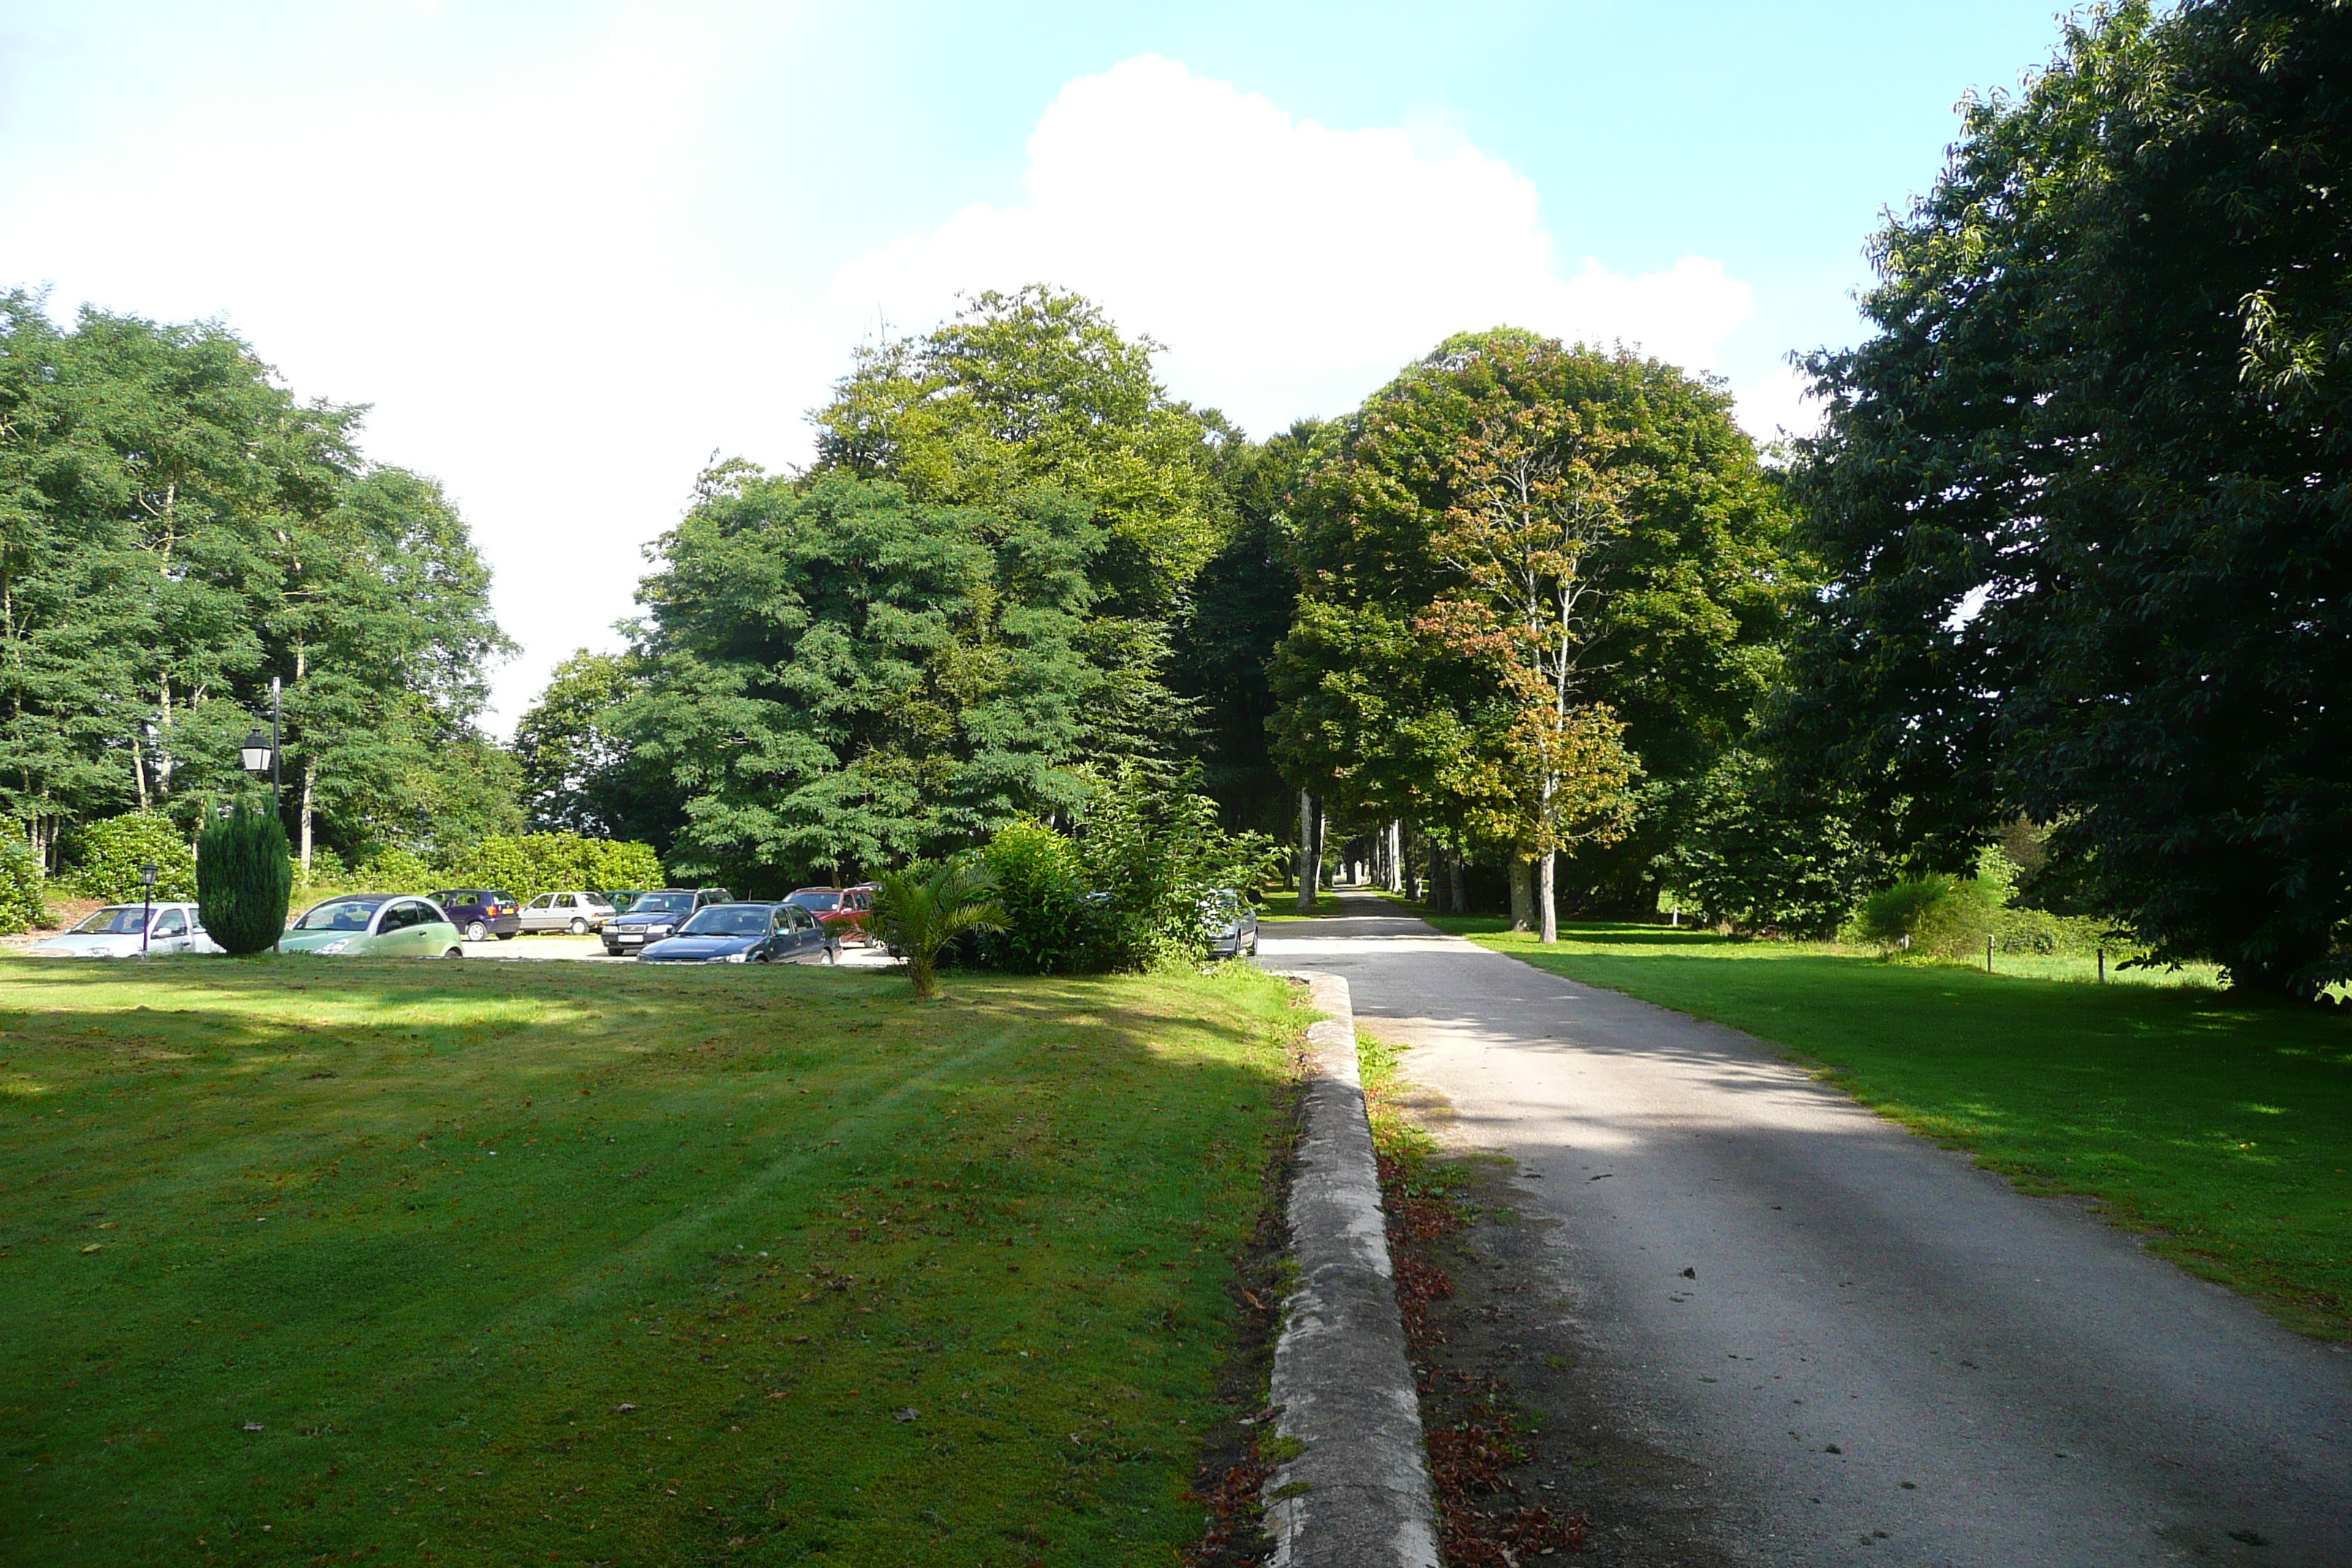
[[313, 1259], [2222, 1126]]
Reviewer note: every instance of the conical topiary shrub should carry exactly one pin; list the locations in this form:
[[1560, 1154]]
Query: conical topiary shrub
[[243, 879]]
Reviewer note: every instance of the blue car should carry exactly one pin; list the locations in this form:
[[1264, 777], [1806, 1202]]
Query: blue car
[[747, 933], [651, 916]]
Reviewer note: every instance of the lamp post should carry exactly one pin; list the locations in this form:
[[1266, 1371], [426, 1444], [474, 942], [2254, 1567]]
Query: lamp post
[[258, 755]]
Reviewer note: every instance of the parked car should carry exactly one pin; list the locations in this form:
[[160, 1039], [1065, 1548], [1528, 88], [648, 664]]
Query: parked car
[[654, 915], [620, 898], [576, 912], [840, 910], [482, 912], [859, 901], [1230, 921], [374, 925], [747, 933], [115, 931]]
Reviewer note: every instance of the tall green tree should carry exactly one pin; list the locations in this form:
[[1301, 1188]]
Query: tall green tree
[[1039, 388], [176, 530], [840, 676], [579, 773], [1240, 607], [1675, 608], [2084, 494]]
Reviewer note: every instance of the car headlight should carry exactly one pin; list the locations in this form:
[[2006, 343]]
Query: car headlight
[[336, 946], [658, 931], [744, 957]]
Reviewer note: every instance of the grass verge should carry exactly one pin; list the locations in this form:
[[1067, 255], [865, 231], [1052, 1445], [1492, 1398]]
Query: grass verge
[[312, 1260], [2218, 1126]]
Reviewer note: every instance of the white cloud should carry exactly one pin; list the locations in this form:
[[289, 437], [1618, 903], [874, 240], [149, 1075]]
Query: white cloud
[[1779, 403], [1290, 268], [527, 248], [499, 254]]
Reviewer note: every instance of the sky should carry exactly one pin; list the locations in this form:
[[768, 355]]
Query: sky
[[569, 253]]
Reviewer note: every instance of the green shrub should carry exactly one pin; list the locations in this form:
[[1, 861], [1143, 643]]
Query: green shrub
[[1154, 855], [396, 871], [1935, 916], [1041, 895], [22, 906], [108, 853], [244, 878], [1760, 853], [327, 870], [550, 862]]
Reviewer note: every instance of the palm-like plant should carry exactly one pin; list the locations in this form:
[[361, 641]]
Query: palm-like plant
[[922, 909]]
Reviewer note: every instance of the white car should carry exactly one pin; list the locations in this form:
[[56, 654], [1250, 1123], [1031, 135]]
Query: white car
[[576, 912], [114, 933]]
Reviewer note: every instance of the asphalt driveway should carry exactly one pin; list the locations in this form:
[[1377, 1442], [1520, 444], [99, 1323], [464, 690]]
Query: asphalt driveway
[[1853, 1346]]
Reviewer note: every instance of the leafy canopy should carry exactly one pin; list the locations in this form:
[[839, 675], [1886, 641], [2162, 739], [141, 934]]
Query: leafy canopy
[[1509, 517], [840, 676], [2086, 494], [176, 530]]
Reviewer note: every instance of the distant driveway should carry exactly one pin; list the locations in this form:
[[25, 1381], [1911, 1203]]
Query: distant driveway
[[1860, 1348]]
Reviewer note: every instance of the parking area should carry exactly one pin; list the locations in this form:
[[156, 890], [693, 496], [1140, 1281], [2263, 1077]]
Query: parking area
[[556, 945]]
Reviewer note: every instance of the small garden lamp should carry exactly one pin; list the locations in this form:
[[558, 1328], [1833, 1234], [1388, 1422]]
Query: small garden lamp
[[147, 912]]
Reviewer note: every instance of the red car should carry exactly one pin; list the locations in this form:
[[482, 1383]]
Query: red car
[[840, 910]]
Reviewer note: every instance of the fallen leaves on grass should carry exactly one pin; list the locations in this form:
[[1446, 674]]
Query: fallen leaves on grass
[[1234, 1511]]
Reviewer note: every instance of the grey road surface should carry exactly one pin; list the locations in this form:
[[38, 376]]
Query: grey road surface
[[1867, 1351]]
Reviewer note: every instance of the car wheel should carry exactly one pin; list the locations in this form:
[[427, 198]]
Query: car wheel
[[454, 952], [476, 931], [508, 935], [578, 927]]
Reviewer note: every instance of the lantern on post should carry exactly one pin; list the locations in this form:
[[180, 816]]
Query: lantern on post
[[258, 755], [147, 905]]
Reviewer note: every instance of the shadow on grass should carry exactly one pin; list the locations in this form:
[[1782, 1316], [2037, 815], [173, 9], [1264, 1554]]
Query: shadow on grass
[[666, 1257]]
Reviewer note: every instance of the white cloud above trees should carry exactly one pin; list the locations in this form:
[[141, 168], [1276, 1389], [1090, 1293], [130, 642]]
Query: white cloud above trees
[[1290, 268]]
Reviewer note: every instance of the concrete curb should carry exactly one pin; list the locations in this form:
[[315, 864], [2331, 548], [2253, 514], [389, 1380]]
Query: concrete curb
[[1357, 1494]]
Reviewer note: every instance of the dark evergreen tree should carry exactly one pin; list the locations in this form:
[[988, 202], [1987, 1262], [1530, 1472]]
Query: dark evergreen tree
[[244, 878]]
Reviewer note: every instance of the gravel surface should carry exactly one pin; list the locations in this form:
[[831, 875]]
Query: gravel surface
[[1827, 1340]]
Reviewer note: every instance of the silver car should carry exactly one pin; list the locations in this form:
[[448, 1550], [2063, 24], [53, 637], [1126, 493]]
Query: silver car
[[1231, 922], [577, 912], [125, 931]]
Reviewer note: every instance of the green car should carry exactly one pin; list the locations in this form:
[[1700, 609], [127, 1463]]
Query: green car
[[374, 925]]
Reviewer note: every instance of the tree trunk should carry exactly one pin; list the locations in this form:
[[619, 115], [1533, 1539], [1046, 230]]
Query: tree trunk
[[1310, 852], [1396, 857], [1545, 907], [1523, 893], [310, 782], [1461, 886]]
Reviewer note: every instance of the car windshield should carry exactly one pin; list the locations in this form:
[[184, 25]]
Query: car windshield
[[115, 920], [663, 904], [820, 901], [339, 915], [728, 920]]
